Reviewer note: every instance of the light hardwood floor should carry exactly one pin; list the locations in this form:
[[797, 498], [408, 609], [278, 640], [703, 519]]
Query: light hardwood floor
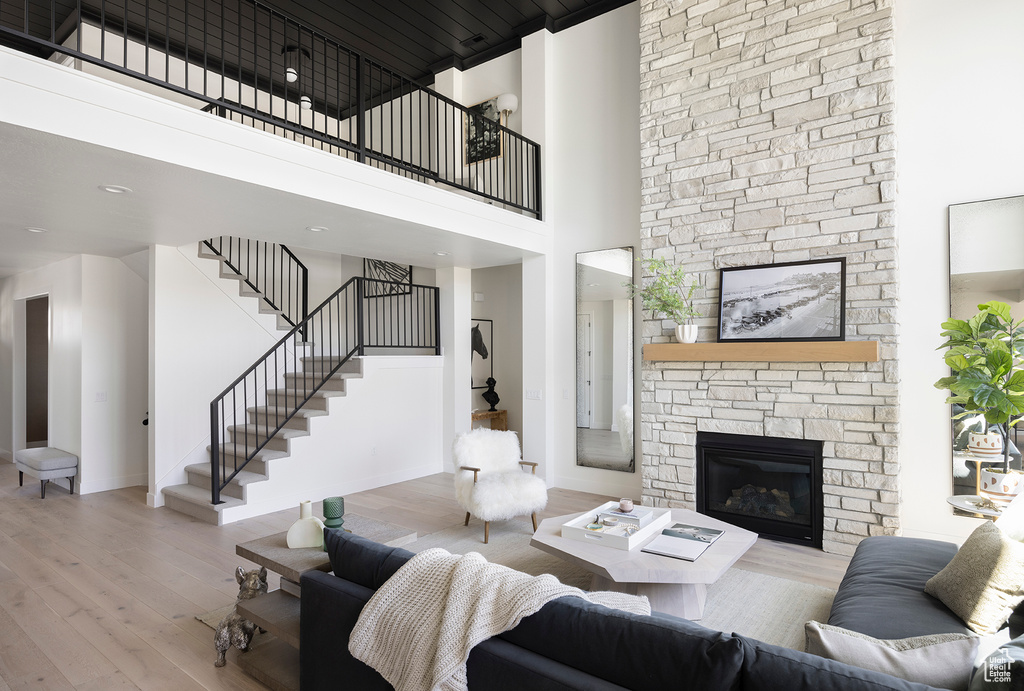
[[100, 592]]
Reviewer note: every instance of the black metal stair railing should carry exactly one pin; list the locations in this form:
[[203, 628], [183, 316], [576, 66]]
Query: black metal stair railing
[[269, 269], [363, 313], [248, 62]]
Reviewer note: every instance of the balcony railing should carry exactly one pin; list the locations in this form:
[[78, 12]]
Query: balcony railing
[[250, 63]]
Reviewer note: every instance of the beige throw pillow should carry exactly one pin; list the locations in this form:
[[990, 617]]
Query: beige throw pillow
[[984, 581], [943, 660]]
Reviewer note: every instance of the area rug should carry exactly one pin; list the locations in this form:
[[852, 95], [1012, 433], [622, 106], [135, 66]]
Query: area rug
[[767, 608]]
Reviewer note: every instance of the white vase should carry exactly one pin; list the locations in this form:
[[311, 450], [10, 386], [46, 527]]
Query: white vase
[[686, 333], [990, 444], [308, 531], [1001, 488]]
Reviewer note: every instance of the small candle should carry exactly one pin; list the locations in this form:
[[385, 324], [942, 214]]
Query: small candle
[[625, 505]]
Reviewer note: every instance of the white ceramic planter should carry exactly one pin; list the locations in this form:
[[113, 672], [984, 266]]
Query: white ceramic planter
[[990, 444], [308, 531], [1001, 488], [686, 333]]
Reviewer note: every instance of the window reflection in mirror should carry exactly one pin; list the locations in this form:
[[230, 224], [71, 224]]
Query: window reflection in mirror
[[604, 360], [986, 262]]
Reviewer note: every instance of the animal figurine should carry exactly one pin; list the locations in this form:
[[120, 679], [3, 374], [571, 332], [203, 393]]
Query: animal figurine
[[234, 629]]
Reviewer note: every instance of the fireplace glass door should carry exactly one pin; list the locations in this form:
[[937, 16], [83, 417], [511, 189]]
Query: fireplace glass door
[[770, 486]]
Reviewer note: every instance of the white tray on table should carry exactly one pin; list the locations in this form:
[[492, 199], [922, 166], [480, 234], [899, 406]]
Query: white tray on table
[[615, 538]]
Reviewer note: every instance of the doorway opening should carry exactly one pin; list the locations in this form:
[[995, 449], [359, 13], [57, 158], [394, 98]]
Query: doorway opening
[[37, 365]]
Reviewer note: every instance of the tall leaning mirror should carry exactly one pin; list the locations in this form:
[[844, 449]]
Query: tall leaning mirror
[[604, 360], [986, 262]]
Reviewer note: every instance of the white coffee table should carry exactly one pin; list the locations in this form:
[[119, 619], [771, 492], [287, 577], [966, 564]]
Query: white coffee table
[[672, 585]]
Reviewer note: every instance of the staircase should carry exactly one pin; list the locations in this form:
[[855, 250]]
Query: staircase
[[254, 421]]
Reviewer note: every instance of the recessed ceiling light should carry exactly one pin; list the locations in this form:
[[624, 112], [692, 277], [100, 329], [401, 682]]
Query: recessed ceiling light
[[593, 285], [316, 229], [441, 253], [115, 189], [37, 230]]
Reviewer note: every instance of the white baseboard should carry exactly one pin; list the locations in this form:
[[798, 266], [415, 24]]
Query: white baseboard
[[628, 487], [110, 483], [6, 455], [154, 501]]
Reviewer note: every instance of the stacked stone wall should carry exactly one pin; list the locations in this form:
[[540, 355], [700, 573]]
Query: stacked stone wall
[[767, 136]]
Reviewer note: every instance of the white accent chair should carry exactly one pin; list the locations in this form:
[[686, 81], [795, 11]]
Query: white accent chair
[[490, 482]]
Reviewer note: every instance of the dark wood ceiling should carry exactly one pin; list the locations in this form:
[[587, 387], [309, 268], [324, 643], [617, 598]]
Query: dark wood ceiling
[[417, 37]]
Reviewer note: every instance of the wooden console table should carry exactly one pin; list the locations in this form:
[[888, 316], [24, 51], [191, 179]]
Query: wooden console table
[[275, 661], [498, 418]]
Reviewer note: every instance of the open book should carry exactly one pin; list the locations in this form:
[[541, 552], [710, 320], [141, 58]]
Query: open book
[[682, 541]]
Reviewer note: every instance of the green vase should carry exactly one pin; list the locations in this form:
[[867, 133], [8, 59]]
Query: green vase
[[334, 512]]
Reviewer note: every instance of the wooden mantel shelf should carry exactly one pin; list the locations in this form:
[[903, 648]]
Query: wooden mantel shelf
[[803, 351]]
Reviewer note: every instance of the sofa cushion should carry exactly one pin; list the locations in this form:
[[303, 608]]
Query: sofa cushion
[[581, 634], [362, 561], [943, 660], [771, 668], [886, 576], [984, 581]]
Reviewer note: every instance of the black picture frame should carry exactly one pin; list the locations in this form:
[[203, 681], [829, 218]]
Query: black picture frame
[[398, 277], [482, 363], [792, 301], [483, 138]]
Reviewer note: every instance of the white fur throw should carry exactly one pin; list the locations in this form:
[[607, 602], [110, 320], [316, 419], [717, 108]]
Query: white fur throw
[[503, 489], [418, 629]]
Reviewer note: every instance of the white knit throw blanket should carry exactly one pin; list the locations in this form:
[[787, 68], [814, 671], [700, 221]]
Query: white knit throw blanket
[[417, 631]]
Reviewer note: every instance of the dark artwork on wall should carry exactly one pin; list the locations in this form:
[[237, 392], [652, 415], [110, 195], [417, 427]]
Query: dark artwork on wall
[[483, 140], [797, 301], [399, 277], [483, 359]]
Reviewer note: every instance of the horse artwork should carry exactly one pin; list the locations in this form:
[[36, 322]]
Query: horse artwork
[[483, 363]]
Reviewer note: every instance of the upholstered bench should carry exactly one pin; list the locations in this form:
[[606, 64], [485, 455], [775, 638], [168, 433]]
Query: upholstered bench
[[45, 464]]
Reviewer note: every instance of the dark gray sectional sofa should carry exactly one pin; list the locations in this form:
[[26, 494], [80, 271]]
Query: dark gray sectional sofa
[[568, 644]]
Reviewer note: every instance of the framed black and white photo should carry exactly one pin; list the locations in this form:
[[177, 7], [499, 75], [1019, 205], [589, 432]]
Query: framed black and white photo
[[797, 301], [398, 277], [483, 358], [483, 139]]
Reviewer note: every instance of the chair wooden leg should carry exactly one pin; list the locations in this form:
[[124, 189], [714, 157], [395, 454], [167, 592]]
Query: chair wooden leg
[[534, 517], [487, 531], [467, 519]]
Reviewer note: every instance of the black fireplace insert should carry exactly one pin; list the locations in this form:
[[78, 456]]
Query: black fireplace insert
[[769, 485]]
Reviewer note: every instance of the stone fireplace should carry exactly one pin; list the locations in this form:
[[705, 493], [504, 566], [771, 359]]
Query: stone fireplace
[[767, 136]]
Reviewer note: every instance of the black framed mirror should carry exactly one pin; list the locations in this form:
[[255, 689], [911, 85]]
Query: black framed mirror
[[605, 407]]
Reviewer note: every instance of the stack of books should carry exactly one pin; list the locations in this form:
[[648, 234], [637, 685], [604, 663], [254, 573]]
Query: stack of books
[[682, 541]]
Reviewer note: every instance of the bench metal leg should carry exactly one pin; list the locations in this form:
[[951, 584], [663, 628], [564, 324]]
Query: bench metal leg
[[21, 478], [42, 489], [72, 480]]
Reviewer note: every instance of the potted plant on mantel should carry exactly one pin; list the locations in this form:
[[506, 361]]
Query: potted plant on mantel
[[671, 293], [985, 355]]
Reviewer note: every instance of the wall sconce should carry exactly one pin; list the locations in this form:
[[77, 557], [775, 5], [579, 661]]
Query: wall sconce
[[507, 104]]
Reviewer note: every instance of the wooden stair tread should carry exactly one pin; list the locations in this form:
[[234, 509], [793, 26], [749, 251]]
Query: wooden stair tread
[[273, 662], [277, 612]]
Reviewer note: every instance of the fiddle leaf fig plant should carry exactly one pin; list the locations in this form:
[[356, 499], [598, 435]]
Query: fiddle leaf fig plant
[[670, 291], [985, 355]]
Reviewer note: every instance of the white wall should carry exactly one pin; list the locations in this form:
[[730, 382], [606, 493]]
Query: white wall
[[959, 136], [593, 166], [97, 346], [367, 440], [200, 339], [114, 375], [502, 291], [62, 282]]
